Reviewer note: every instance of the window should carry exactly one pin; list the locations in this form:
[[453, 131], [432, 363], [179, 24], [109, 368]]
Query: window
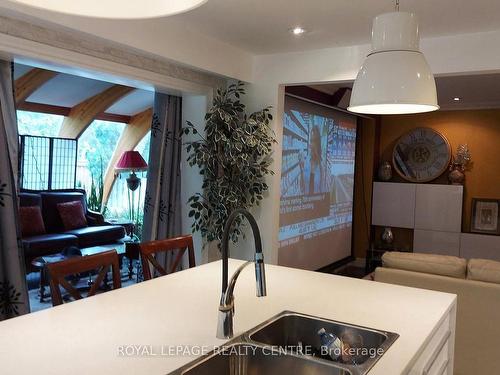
[[95, 149], [43, 124], [143, 146], [47, 163], [117, 206]]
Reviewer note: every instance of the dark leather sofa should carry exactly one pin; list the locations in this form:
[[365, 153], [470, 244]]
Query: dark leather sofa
[[98, 232]]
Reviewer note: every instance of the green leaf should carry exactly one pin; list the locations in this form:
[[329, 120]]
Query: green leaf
[[233, 154]]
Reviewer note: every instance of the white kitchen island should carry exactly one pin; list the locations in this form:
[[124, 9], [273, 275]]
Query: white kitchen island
[[89, 336]]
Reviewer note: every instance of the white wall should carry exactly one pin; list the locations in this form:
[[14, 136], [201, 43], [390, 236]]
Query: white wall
[[470, 53], [173, 40]]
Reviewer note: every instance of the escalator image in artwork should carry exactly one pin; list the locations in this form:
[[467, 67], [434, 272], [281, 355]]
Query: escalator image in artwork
[[317, 180]]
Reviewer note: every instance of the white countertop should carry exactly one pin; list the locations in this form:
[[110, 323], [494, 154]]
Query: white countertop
[[85, 337]]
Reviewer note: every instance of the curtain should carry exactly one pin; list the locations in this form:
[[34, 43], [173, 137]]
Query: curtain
[[13, 291], [162, 210]]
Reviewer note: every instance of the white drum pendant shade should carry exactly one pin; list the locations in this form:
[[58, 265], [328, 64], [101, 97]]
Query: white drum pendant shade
[[395, 77], [115, 9]]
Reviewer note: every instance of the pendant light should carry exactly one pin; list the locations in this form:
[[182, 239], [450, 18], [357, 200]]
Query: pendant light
[[115, 9], [395, 77]]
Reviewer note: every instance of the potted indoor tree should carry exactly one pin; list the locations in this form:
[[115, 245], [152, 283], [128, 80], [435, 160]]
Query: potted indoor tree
[[234, 158]]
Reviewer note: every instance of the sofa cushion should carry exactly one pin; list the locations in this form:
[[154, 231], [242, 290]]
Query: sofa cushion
[[484, 270], [427, 263], [99, 235], [50, 200], [72, 215], [31, 221], [30, 199], [47, 244]]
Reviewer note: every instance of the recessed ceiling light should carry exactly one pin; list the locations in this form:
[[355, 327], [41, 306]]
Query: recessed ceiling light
[[456, 98], [297, 30]]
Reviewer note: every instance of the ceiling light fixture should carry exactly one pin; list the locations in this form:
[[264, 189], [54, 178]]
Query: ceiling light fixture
[[456, 98], [115, 9], [395, 77], [298, 30]]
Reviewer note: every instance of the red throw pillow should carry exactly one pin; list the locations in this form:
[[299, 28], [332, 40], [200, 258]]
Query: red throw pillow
[[31, 221], [72, 215]]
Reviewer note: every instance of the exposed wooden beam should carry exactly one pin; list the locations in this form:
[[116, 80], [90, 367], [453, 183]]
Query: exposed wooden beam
[[28, 83], [106, 116], [133, 133], [44, 108], [82, 115], [64, 111]]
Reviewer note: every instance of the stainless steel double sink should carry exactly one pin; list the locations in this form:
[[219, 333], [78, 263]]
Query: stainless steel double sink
[[288, 343]]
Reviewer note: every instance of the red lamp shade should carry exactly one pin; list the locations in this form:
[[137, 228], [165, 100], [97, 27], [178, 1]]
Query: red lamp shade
[[131, 161]]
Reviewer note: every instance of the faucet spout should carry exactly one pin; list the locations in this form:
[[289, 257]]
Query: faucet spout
[[226, 307]]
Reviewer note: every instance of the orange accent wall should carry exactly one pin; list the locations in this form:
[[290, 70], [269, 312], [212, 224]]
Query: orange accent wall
[[480, 129]]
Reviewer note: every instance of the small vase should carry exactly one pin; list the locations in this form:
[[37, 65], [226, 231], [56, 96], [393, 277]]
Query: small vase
[[456, 175], [385, 171], [387, 236]]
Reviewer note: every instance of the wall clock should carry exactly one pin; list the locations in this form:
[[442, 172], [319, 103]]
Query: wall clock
[[421, 155]]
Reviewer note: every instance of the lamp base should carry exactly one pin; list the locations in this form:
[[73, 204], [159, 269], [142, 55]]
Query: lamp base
[[133, 182]]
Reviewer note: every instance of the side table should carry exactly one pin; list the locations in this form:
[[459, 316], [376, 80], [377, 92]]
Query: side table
[[132, 253], [374, 256], [40, 264], [128, 225]]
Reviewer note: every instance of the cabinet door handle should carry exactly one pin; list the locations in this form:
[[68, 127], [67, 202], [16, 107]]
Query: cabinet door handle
[[436, 352]]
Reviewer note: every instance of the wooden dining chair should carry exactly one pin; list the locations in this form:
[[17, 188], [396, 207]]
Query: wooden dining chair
[[149, 250], [60, 271]]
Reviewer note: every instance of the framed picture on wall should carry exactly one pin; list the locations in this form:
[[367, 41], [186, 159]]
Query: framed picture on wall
[[485, 216]]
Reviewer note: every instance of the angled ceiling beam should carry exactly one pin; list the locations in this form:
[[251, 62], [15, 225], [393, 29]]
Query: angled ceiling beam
[[64, 111], [82, 115], [29, 82], [133, 133]]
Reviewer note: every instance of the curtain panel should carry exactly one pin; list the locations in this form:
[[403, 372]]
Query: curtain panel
[[13, 291], [162, 209]]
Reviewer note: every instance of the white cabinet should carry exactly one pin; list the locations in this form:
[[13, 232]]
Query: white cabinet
[[393, 205], [434, 242], [433, 211], [479, 246], [438, 355], [439, 208]]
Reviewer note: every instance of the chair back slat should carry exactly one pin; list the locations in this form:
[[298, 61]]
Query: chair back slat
[[149, 250], [102, 262], [157, 266], [98, 281], [69, 288]]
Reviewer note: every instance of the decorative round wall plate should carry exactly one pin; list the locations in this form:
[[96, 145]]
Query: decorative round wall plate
[[421, 155]]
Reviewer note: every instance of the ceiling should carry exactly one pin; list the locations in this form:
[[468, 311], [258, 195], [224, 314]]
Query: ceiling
[[474, 91], [261, 26], [66, 90]]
